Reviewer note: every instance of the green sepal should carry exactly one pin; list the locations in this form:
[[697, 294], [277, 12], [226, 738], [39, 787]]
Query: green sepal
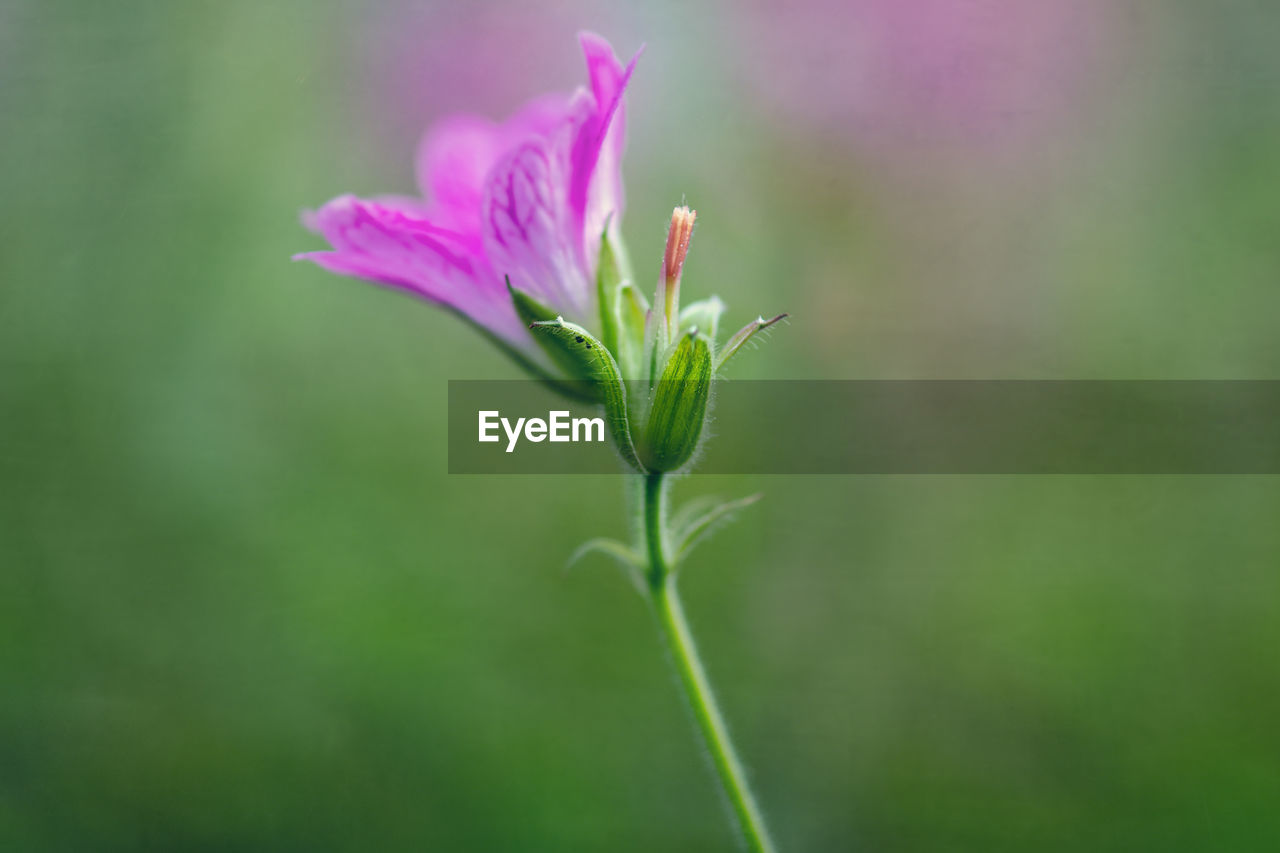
[[703, 315], [530, 310], [743, 335], [654, 346], [690, 528], [528, 307], [679, 405], [573, 390], [632, 308], [608, 278], [595, 364]]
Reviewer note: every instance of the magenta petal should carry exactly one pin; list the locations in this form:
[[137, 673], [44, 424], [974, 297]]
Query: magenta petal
[[596, 194], [453, 160], [608, 77], [396, 246], [456, 156], [526, 229]]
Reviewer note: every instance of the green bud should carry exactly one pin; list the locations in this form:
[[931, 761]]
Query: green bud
[[679, 406]]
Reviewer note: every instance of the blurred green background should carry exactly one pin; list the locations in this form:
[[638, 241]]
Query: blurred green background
[[242, 607]]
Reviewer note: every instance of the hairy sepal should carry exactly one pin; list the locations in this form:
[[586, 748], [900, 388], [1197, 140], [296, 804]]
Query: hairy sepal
[[596, 365]]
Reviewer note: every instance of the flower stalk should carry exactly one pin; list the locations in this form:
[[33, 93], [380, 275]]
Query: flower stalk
[[674, 628]]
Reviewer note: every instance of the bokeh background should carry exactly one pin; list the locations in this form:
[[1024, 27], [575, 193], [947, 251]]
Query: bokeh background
[[242, 606]]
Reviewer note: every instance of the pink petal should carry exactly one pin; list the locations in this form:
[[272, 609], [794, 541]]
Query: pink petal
[[453, 160], [526, 229], [393, 244], [597, 194], [457, 155]]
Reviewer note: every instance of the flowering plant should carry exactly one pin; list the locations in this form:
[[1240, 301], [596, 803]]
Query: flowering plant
[[518, 233]]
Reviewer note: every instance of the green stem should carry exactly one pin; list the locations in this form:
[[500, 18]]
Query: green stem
[[675, 631]]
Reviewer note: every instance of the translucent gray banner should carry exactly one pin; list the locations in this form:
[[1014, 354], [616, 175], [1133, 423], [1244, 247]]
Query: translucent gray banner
[[898, 427]]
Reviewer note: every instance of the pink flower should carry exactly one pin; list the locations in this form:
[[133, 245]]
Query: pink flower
[[528, 198]]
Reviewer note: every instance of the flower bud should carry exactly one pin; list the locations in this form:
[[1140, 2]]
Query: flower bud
[[679, 406], [668, 299]]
